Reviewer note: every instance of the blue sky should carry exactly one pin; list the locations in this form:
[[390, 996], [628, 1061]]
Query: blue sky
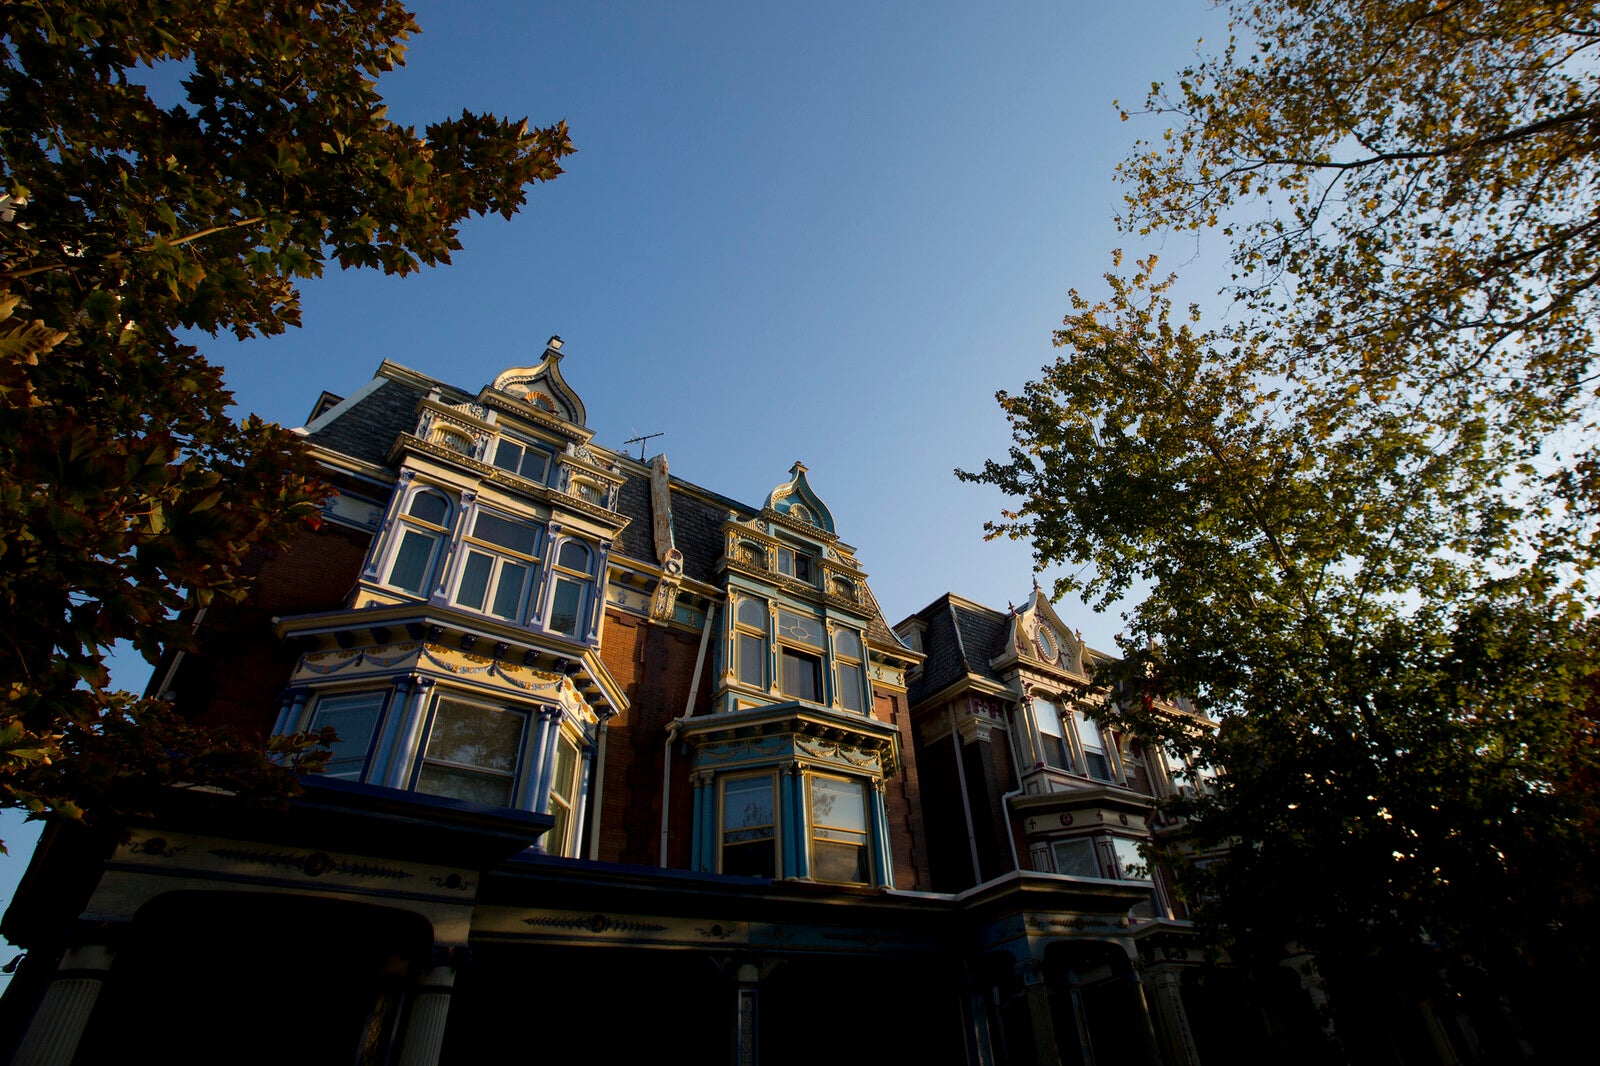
[[825, 232]]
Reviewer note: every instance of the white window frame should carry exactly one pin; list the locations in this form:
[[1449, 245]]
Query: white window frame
[[406, 523], [499, 555], [562, 575], [544, 450], [376, 700], [520, 757]]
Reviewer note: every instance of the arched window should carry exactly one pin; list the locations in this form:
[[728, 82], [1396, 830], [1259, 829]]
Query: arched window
[[750, 642], [423, 527], [571, 589]]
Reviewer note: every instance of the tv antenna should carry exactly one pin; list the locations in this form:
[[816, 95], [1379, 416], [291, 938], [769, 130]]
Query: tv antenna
[[640, 441]]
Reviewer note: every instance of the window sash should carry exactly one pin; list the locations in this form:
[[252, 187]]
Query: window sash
[[354, 716], [838, 830], [413, 561], [492, 583], [751, 653], [748, 832], [527, 461], [567, 606], [802, 675], [473, 752]]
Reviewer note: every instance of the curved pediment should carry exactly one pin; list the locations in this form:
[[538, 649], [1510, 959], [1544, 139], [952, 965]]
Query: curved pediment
[[796, 500], [543, 388]]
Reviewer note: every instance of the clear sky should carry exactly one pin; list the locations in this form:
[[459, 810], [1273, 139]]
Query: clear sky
[[823, 231]]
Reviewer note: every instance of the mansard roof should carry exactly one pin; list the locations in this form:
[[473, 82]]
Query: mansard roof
[[960, 639]]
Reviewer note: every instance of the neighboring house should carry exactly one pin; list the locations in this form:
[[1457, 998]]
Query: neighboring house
[[625, 768]]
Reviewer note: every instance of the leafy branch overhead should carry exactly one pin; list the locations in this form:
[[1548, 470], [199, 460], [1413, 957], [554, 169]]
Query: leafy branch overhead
[[126, 491], [1362, 514]]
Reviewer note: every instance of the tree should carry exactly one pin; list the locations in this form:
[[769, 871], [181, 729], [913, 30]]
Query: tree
[[1365, 510], [126, 492]]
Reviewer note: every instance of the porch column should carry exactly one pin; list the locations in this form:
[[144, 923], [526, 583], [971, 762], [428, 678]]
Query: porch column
[[63, 1012], [878, 832], [704, 848], [1045, 1049], [1164, 993], [796, 823], [407, 736], [430, 1009]]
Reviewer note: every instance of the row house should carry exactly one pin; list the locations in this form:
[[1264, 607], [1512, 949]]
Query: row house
[[624, 765]]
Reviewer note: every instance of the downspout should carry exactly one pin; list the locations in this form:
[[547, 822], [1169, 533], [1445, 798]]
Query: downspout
[[966, 802], [598, 789], [673, 726], [177, 658], [1005, 799]]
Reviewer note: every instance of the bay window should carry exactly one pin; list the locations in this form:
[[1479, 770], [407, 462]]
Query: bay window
[[1108, 856], [748, 832], [839, 830], [423, 528], [1094, 746], [849, 670], [750, 642], [498, 560], [354, 716], [1053, 747], [473, 752], [570, 588]]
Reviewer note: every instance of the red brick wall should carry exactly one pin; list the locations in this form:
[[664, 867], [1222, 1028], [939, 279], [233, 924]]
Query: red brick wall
[[902, 799], [655, 666], [234, 678]]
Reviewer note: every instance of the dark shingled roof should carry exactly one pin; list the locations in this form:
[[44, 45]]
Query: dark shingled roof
[[367, 429], [958, 640], [638, 540], [696, 530]]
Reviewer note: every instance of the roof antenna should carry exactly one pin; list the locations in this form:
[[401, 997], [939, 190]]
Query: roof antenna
[[640, 441]]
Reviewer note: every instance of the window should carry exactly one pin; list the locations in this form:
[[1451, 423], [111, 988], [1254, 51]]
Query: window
[[795, 564], [839, 830], [473, 752], [802, 670], [1052, 740], [1094, 747], [1076, 856], [749, 827], [422, 530], [849, 674], [802, 675], [563, 793], [750, 642], [498, 561], [354, 717], [568, 601], [525, 460]]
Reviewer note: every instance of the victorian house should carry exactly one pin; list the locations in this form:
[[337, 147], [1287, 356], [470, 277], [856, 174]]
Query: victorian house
[[625, 766]]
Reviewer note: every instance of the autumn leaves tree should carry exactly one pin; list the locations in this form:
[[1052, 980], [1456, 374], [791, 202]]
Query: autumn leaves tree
[[1365, 509], [127, 222]]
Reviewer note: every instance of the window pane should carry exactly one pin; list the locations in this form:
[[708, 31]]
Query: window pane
[[508, 456], [838, 804], [354, 718], [801, 675], [1049, 718], [833, 861], [518, 536], [429, 507], [508, 593], [490, 790], [1076, 857], [847, 642], [752, 653], [753, 613], [574, 556], [749, 844], [564, 606], [410, 569], [562, 783], [802, 628], [849, 684], [1130, 864], [471, 735], [1099, 766], [535, 465], [474, 580]]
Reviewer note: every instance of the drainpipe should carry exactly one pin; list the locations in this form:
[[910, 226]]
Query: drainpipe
[[966, 802], [599, 788], [1005, 800], [673, 726]]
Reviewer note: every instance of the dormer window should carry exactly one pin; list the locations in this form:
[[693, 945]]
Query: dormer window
[[525, 460], [795, 564]]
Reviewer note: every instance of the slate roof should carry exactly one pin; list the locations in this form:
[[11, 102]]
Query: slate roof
[[367, 428], [638, 540], [959, 640]]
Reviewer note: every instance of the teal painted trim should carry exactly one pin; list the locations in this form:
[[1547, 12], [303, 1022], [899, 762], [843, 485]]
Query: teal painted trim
[[697, 840], [882, 861], [800, 825]]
